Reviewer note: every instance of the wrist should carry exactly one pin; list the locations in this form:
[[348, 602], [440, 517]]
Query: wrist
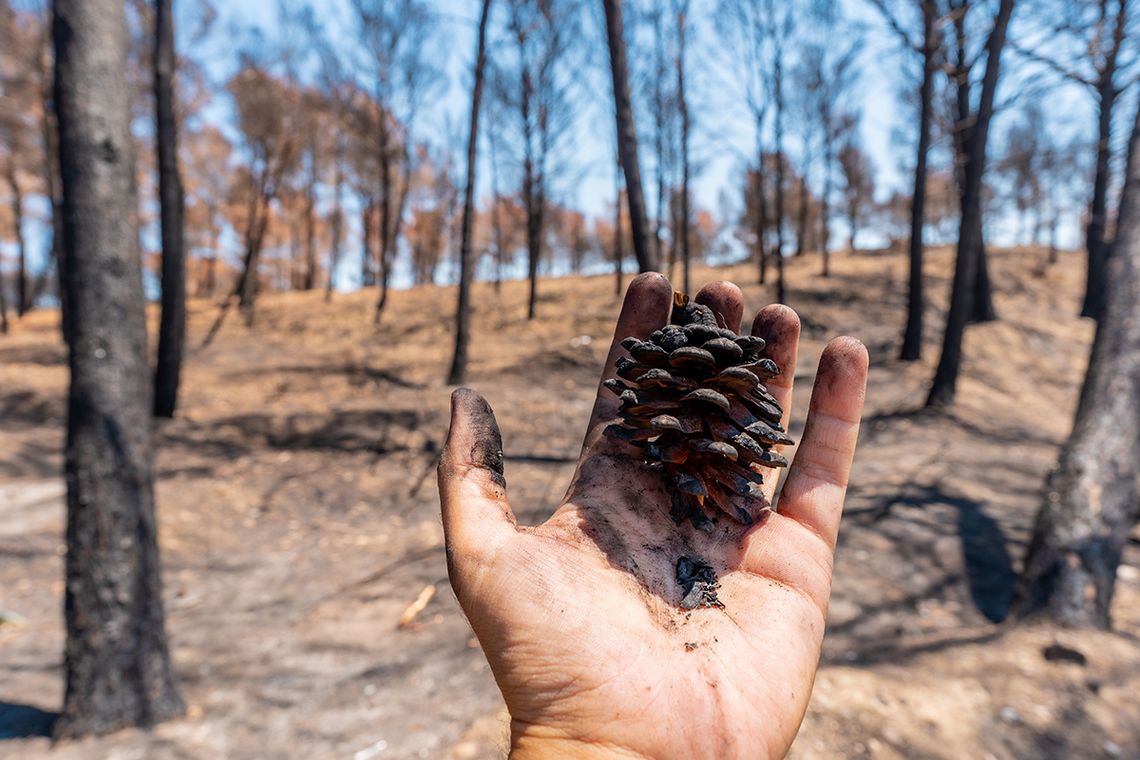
[[529, 742]]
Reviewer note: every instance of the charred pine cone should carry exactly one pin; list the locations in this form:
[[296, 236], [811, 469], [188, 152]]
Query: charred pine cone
[[693, 398]]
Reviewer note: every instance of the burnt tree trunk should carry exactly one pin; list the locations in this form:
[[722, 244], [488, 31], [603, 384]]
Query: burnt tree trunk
[[172, 326], [1093, 497], [3, 307], [915, 298], [367, 253], [116, 662], [49, 135], [309, 280], [781, 288], [619, 234], [627, 137], [497, 220], [683, 107], [388, 261], [981, 305], [466, 261], [970, 223], [1095, 282], [802, 212], [982, 308], [23, 302], [533, 199], [825, 200], [761, 211], [336, 227]]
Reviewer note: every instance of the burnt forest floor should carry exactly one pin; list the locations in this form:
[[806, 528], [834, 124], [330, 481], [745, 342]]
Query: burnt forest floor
[[299, 519]]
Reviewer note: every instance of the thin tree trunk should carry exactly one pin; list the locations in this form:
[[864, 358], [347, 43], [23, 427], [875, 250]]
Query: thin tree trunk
[[781, 288], [824, 201], [172, 326], [1095, 282], [466, 261], [627, 141], [387, 263], [49, 132], [116, 662], [761, 208], [367, 253], [309, 281], [385, 214], [1093, 497], [337, 230], [23, 302], [802, 213], [970, 225], [916, 299], [683, 106], [619, 233], [3, 307], [660, 111], [533, 202]]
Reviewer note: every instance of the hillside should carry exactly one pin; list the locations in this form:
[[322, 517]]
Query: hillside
[[299, 520]]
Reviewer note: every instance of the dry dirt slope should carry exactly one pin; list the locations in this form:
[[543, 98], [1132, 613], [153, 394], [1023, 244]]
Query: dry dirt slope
[[299, 519]]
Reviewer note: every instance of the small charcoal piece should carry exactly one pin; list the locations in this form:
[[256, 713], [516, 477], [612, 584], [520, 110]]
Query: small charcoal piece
[[698, 581], [693, 400]]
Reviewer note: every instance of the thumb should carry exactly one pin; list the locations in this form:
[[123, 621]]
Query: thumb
[[472, 490]]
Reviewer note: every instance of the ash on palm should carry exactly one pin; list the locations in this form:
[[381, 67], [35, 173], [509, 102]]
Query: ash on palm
[[694, 400]]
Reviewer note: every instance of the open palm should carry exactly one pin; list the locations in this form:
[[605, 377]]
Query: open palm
[[581, 617]]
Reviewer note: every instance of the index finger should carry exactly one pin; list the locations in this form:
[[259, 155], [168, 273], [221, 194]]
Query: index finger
[[648, 301]]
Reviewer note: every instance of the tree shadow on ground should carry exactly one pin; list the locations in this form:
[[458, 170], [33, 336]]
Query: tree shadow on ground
[[986, 557], [25, 721], [371, 430], [357, 374], [53, 355], [32, 459], [27, 408]]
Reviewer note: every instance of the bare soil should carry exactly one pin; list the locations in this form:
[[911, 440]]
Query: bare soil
[[299, 523]]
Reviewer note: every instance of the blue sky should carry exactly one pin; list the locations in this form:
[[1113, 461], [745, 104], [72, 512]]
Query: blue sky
[[723, 133]]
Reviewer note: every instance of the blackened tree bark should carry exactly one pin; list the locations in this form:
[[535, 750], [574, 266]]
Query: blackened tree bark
[[49, 133], [1107, 67], [172, 326], [778, 82], [309, 280], [916, 300], [336, 221], [761, 212], [466, 260], [683, 107], [1095, 282], [627, 137], [3, 308], [970, 224], [1093, 497], [619, 233], [117, 665], [981, 305], [23, 300], [367, 252]]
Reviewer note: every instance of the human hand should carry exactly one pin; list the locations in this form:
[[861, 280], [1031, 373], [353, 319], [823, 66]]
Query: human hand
[[579, 617]]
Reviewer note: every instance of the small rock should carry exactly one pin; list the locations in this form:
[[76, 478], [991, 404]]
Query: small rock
[[8, 617], [1060, 653], [1009, 715]]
